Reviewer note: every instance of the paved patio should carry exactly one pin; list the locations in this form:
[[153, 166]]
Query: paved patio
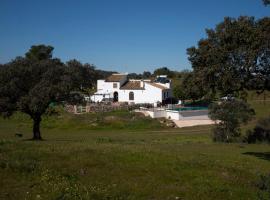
[[193, 122]]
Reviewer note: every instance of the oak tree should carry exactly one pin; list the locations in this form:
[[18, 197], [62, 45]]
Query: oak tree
[[234, 56], [29, 84]]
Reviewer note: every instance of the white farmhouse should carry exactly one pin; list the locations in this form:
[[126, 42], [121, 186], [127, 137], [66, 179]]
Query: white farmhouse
[[118, 88]]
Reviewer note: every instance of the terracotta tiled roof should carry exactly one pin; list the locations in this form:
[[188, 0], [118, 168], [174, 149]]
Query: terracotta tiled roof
[[157, 85], [115, 77], [132, 85]]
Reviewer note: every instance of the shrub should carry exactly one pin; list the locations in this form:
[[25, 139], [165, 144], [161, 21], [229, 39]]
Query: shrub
[[230, 115], [54, 110], [264, 186], [223, 133], [261, 132]]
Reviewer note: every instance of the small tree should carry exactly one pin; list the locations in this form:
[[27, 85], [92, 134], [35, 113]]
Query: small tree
[[230, 115], [30, 84]]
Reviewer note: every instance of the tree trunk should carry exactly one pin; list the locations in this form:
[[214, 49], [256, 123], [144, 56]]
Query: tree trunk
[[264, 98], [36, 128]]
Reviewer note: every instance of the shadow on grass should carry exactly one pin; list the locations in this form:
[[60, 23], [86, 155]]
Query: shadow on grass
[[52, 140], [261, 155]]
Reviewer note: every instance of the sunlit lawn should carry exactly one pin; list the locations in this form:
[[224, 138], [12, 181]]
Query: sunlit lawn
[[141, 160]]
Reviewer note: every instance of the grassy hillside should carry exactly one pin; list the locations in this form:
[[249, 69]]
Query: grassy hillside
[[122, 155], [115, 120]]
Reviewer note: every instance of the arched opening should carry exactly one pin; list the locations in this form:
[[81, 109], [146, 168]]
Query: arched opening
[[115, 96], [131, 96]]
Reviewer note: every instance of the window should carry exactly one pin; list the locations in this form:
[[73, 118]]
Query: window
[[164, 95], [114, 85], [131, 96]]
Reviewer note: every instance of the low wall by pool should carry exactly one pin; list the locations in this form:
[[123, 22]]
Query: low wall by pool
[[194, 114], [179, 114], [157, 113]]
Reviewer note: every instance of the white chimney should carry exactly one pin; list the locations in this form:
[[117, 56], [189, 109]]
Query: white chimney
[[141, 84]]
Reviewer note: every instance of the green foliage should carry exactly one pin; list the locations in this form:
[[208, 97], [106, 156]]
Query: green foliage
[[30, 84], [189, 88], [164, 71], [134, 76], [230, 115], [75, 98], [261, 132], [178, 92], [83, 75], [234, 56], [39, 52], [146, 74], [264, 186]]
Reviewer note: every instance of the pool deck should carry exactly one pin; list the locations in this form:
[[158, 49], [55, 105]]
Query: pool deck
[[192, 122]]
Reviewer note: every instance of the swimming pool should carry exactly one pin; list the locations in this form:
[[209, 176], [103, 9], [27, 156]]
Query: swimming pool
[[190, 108], [192, 113]]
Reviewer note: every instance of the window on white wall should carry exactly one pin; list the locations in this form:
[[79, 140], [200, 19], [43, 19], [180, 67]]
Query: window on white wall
[[131, 96], [114, 85]]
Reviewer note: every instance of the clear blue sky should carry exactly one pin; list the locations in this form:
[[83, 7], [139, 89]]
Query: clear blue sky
[[120, 35]]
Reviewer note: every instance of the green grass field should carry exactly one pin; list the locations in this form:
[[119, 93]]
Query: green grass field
[[121, 155]]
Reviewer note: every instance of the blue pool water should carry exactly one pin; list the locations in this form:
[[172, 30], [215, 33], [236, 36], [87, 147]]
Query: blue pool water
[[190, 108]]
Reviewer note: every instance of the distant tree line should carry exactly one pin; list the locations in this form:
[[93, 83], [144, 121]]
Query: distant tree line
[[158, 71]]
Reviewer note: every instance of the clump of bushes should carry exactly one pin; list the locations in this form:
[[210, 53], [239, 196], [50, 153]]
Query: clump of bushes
[[229, 114], [264, 185], [261, 132], [54, 109]]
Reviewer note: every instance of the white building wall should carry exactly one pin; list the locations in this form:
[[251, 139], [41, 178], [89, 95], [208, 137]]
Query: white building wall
[[123, 96], [107, 87], [100, 84], [153, 94], [150, 94]]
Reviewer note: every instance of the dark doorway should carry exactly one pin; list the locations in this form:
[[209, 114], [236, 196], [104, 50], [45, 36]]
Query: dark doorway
[[115, 96]]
